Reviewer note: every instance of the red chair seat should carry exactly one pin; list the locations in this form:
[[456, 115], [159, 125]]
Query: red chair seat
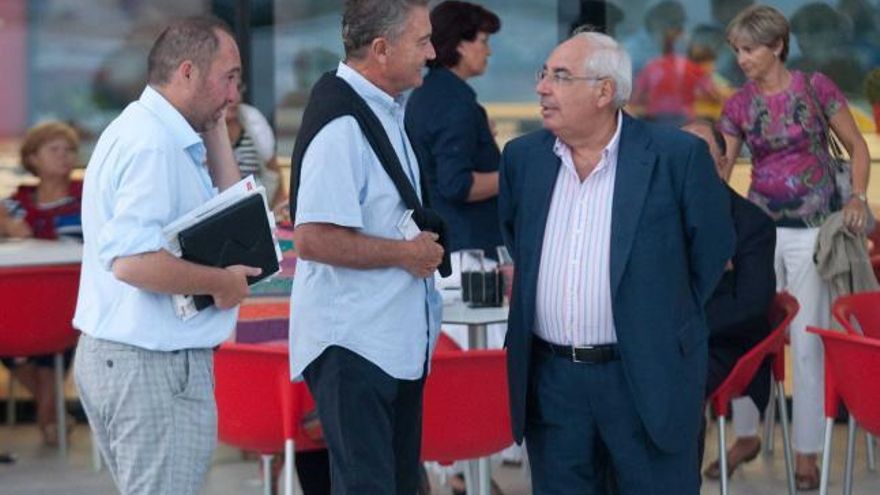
[[258, 406], [852, 364], [466, 412]]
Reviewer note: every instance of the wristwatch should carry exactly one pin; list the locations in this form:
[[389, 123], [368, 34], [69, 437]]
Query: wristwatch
[[861, 197]]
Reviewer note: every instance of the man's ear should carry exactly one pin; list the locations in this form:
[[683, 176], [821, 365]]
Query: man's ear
[[379, 49], [187, 71], [606, 93]]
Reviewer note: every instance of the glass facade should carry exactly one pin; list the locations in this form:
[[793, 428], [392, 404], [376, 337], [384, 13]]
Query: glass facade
[[83, 60], [87, 59]]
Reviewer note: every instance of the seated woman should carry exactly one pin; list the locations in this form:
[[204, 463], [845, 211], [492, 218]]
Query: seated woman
[[48, 210], [253, 143]]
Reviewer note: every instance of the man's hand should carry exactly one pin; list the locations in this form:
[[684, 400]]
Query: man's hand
[[425, 255], [235, 286], [217, 126]]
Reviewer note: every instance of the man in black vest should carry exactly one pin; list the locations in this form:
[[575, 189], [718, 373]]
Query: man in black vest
[[364, 310], [736, 313]]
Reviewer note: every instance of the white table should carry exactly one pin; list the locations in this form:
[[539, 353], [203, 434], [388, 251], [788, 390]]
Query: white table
[[476, 319], [30, 252], [478, 475]]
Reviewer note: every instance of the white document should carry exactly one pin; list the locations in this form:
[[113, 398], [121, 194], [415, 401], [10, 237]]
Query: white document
[[407, 226]]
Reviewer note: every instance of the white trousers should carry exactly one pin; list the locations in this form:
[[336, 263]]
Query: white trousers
[[797, 274]]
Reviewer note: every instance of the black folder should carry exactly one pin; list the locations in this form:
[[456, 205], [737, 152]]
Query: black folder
[[239, 234]]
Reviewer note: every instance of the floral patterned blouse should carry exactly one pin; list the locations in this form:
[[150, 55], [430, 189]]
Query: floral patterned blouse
[[791, 181]]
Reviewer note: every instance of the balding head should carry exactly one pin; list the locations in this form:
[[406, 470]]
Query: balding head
[[707, 131], [196, 39]]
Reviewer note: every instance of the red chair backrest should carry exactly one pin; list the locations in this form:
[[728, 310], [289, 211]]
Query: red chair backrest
[[859, 313], [466, 410], [258, 407], [781, 312], [875, 258], [38, 306], [445, 343], [852, 365]]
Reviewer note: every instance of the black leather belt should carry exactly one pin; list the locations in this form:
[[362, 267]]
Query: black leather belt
[[591, 354]]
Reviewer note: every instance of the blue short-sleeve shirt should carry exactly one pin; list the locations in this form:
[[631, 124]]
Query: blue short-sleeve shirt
[[148, 169], [385, 314]]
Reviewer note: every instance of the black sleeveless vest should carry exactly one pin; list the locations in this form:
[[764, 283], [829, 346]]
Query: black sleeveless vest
[[332, 97]]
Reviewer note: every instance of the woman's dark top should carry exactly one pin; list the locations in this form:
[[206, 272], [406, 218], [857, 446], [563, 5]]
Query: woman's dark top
[[445, 120]]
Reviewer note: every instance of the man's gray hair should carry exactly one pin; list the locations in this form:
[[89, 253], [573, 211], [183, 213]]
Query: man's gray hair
[[193, 38], [609, 59], [365, 20]]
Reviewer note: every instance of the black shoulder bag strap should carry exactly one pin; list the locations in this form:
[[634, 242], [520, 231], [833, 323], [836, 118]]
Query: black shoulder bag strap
[[350, 103], [424, 217]]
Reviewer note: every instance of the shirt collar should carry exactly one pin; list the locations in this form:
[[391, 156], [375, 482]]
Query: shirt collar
[[609, 153], [181, 131], [369, 91]]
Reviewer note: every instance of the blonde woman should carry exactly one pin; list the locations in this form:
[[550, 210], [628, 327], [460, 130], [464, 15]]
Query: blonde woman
[[48, 210]]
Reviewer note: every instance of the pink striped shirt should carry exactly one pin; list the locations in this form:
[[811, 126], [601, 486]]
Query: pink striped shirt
[[574, 285]]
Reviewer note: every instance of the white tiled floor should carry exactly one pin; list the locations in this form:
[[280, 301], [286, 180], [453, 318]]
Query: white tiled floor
[[39, 470]]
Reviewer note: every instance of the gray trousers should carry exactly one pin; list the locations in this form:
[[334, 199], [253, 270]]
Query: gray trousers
[[152, 413]]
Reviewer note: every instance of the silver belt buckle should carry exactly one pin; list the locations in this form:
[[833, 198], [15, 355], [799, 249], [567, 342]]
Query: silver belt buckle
[[574, 358]]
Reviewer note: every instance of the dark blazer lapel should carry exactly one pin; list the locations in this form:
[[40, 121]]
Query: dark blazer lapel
[[541, 180], [541, 169], [635, 165]]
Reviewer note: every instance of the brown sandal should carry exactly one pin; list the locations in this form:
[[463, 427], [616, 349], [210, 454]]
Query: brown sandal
[[713, 470], [50, 431], [809, 481]]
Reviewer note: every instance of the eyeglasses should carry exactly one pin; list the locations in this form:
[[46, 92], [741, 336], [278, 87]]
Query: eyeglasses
[[559, 78]]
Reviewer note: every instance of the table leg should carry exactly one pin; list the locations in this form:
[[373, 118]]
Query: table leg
[[485, 476], [478, 337], [481, 472], [471, 481], [60, 410]]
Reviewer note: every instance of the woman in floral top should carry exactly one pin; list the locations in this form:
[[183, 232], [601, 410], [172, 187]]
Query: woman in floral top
[[775, 115]]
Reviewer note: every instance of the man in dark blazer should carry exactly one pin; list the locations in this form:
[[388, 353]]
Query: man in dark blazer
[[619, 230], [737, 311]]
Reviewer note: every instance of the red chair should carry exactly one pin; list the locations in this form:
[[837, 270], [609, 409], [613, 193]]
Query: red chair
[[258, 407], [852, 365], [38, 307], [875, 260], [466, 410], [445, 343], [782, 311], [859, 314]]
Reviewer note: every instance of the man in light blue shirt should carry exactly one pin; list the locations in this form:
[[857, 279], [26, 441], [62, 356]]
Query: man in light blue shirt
[[144, 375], [364, 310]]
